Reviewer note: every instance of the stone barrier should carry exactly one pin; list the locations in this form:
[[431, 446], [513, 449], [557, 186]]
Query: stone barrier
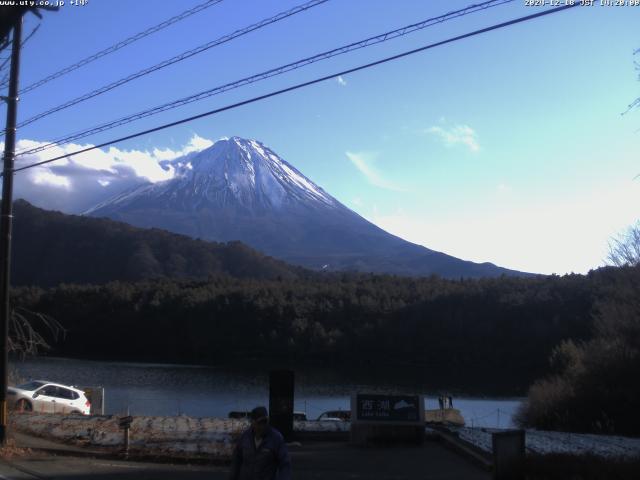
[[508, 455]]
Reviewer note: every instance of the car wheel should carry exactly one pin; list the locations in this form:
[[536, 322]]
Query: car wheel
[[75, 412], [23, 405]]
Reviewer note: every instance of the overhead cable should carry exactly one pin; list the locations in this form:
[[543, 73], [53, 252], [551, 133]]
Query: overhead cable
[[302, 85], [383, 37]]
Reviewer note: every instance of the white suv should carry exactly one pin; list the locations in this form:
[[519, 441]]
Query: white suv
[[47, 397]]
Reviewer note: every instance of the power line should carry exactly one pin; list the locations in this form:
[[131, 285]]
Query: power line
[[6, 60], [304, 84], [5, 78], [121, 44], [176, 59], [28, 37], [269, 73]]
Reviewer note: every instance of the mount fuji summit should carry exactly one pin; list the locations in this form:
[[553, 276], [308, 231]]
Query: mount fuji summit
[[239, 189]]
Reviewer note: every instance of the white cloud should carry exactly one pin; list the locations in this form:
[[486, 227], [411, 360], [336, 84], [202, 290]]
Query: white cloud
[[459, 134], [364, 162], [565, 236], [196, 144], [48, 178], [342, 81], [76, 183]]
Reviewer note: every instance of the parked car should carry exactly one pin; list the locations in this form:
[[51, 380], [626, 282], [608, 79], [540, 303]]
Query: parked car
[[299, 416], [48, 397], [335, 416]]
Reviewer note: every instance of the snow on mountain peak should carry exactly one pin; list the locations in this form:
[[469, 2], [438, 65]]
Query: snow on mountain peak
[[251, 172], [233, 170]]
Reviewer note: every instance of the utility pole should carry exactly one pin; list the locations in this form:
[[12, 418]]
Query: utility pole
[[10, 20], [6, 220]]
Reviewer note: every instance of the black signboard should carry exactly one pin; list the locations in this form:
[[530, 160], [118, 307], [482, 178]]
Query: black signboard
[[125, 422], [395, 408]]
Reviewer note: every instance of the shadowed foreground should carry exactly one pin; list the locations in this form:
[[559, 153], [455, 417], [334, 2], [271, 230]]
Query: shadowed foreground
[[312, 460]]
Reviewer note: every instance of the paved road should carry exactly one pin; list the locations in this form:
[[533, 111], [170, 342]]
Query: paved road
[[313, 460]]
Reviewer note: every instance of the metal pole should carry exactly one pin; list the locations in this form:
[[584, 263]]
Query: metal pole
[[6, 218], [126, 442]]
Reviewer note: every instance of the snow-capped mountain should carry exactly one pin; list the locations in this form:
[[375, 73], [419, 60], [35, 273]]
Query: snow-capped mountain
[[240, 189], [233, 172]]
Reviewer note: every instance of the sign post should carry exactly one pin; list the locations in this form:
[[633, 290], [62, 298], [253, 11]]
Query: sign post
[[387, 418], [125, 423]]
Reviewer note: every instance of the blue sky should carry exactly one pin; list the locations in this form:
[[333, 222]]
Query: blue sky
[[507, 147]]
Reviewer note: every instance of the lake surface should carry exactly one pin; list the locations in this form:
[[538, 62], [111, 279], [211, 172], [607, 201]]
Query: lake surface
[[199, 391]]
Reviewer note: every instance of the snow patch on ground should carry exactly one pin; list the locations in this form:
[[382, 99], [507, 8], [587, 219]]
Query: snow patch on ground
[[163, 436], [182, 435], [542, 442], [325, 426]]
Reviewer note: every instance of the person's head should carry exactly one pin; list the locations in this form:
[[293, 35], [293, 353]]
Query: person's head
[[259, 420]]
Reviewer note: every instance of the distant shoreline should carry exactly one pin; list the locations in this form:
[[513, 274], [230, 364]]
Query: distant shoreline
[[312, 372]]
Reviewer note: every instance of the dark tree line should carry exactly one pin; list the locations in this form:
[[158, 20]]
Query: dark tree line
[[503, 329], [593, 386], [183, 300], [50, 248]]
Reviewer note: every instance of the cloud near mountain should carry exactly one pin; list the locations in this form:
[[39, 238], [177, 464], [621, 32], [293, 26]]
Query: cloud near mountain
[[75, 184]]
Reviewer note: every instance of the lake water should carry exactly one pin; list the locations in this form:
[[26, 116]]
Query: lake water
[[198, 391]]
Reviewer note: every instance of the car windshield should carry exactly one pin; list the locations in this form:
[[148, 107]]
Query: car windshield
[[30, 386]]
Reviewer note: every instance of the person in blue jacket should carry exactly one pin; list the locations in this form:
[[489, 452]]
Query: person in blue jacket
[[261, 453]]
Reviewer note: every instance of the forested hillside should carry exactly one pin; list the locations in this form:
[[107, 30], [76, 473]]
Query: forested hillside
[[51, 248], [503, 329], [176, 299], [592, 385]]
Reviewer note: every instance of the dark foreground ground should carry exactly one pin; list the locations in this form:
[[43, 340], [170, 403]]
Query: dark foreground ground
[[312, 460]]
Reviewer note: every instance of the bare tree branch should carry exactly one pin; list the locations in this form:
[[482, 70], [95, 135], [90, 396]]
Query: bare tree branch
[[27, 331], [625, 249], [636, 102]]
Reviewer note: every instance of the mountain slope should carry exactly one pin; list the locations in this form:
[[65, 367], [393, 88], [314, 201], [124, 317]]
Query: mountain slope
[[51, 248], [241, 190]]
